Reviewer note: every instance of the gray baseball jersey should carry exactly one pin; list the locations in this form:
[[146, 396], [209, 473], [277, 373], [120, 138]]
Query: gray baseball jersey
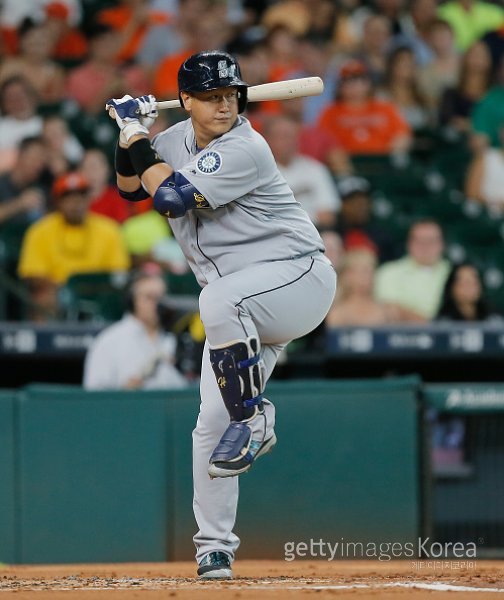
[[249, 199]]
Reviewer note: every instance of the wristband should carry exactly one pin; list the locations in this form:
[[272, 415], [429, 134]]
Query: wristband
[[122, 162], [143, 156]]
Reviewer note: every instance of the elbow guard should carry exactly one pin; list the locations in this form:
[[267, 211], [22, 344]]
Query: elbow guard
[[175, 196]]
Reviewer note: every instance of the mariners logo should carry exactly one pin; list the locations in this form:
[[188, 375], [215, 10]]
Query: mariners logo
[[209, 163]]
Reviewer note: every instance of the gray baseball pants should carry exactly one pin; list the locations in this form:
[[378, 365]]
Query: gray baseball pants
[[275, 302]]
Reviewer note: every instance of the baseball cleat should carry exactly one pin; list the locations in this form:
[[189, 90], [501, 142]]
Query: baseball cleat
[[236, 451], [216, 565]]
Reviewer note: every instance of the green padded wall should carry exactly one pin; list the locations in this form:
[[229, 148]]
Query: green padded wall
[[94, 476], [8, 515], [106, 476], [347, 465]]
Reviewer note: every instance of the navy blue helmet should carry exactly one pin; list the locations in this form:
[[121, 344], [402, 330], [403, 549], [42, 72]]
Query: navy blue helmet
[[210, 71]]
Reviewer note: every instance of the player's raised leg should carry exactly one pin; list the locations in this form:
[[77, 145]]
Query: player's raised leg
[[273, 303]]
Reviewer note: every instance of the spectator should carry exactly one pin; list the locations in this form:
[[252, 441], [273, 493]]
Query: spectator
[[485, 178], [22, 192], [488, 114], [317, 60], [334, 249], [209, 32], [100, 77], [471, 19], [34, 63], [252, 52], [163, 39], [443, 71], [18, 120], [401, 88], [414, 30], [284, 53], [314, 141], [415, 282], [355, 303], [70, 43], [131, 19], [494, 41], [329, 21], [64, 150], [474, 81], [354, 224], [374, 45], [310, 180], [361, 123], [393, 10], [135, 353], [70, 240], [149, 239], [104, 197], [463, 297]]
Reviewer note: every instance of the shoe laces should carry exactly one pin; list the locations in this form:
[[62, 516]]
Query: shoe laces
[[216, 558]]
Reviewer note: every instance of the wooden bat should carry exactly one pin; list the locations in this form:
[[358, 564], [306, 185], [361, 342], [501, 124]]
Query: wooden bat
[[278, 90]]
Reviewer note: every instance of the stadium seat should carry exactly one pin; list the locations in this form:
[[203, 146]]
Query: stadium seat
[[97, 297], [182, 284]]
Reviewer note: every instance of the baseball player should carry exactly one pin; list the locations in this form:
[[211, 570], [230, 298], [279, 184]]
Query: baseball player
[[257, 256]]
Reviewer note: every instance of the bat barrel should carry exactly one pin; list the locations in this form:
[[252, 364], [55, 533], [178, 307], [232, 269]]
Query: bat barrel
[[278, 90]]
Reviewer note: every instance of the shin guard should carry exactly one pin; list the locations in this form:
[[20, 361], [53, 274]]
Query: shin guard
[[239, 372]]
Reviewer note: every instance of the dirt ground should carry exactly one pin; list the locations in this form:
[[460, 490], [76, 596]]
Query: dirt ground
[[359, 580]]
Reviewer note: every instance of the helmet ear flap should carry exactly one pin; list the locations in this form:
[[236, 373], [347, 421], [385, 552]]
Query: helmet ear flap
[[242, 99]]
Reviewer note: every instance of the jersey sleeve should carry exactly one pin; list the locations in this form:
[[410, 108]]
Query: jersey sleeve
[[223, 174]]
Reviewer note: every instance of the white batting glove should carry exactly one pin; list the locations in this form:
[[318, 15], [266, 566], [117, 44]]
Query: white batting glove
[[125, 111], [147, 106]]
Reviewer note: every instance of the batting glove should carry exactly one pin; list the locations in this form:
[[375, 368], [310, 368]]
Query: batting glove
[[147, 109], [125, 112]]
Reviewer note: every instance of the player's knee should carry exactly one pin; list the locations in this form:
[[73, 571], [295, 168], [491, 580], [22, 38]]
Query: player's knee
[[215, 310]]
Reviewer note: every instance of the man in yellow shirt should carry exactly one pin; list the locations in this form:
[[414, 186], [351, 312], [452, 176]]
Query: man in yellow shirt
[[68, 241]]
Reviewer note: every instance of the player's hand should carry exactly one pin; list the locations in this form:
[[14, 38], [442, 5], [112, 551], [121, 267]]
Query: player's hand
[[125, 111], [147, 109]]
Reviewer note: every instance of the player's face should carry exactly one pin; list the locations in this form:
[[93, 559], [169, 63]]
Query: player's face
[[213, 113]]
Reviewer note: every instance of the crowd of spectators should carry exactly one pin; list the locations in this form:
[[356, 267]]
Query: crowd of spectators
[[392, 70]]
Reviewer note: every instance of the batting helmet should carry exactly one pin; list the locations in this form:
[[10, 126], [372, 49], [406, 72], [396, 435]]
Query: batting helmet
[[209, 71]]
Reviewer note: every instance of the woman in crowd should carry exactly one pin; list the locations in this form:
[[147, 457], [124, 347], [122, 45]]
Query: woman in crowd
[[474, 81], [401, 87], [463, 297]]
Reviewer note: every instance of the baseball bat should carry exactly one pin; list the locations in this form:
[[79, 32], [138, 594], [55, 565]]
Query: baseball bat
[[278, 90]]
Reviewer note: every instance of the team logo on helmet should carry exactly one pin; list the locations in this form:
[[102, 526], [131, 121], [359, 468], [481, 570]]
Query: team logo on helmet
[[226, 70], [210, 162]]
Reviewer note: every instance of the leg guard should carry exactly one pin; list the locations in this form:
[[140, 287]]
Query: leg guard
[[238, 370], [239, 373]]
